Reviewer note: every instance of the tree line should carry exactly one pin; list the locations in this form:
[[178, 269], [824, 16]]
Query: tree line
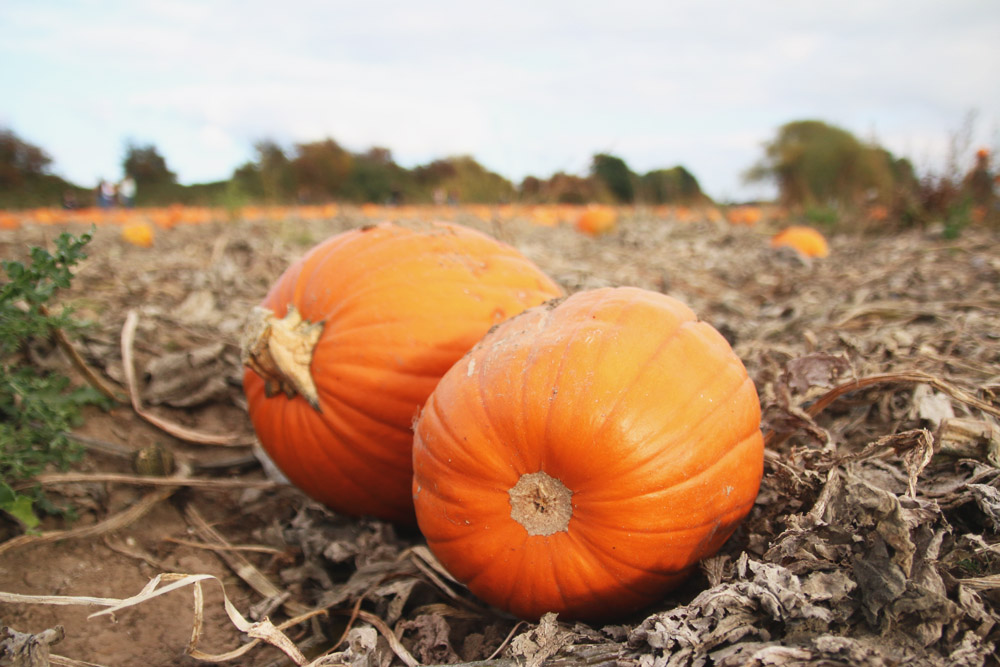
[[815, 166]]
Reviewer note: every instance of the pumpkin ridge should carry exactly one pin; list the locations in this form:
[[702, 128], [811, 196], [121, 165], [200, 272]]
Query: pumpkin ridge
[[749, 440], [303, 459], [623, 394], [601, 554], [342, 431], [375, 464], [554, 575], [521, 463], [675, 436], [457, 441], [343, 347], [564, 347], [333, 397], [360, 295], [518, 549], [586, 503]]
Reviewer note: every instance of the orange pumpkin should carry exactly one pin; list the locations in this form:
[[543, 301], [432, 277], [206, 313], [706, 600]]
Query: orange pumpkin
[[806, 240], [139, 232], [351, 340], [584, 456], [596, 220]]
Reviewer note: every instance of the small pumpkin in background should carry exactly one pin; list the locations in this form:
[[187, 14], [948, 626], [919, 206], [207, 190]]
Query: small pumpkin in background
[[352, 338], [139, 233], [583, 457], [596, 219], [744, 215], [805, 240]]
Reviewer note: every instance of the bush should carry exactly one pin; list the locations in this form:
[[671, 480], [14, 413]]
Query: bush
[[37, 408]]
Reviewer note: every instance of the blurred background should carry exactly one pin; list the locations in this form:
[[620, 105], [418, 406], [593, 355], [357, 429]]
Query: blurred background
[[886, 103]]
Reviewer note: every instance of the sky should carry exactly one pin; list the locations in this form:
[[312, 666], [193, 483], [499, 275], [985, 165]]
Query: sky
[[526, 87]]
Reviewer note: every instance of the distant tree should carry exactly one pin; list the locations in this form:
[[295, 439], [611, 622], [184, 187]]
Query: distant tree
[[473, 182], [566, 188], [321, 168], [374, 177], [433, 174], [615, 175], [531, 188], [462, 177], [275, 179], [20, 161], [147, 166], [814, 163], [670, 186]]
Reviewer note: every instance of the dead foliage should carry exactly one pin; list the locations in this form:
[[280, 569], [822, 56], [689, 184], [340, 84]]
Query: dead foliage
[[874, 539]]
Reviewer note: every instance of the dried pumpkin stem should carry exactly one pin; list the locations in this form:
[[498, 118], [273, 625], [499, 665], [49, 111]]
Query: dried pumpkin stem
[[280, 351], [541, 503]]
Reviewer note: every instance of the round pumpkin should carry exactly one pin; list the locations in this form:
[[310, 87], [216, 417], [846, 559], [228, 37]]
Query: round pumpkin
[[805, 240], [583, 457], [596, 220], [352, 338]]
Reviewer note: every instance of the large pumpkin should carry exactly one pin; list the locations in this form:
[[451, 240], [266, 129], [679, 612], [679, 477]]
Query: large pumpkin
[[584, 456], [352, 338]]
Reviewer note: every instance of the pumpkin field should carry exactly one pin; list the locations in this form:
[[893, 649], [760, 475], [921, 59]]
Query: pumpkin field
[[872, 539]]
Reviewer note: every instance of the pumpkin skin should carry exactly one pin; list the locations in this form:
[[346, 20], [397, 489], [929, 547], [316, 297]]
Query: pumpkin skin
[[617, 396], [397, 306], [806, 240]]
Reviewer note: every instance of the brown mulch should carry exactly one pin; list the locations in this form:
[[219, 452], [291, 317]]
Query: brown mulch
[[874, 539]]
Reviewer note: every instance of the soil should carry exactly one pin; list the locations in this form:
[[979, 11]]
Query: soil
[[874, 539]]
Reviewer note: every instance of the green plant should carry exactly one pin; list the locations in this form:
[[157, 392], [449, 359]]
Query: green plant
[[957, 217], [37, 408], [823, 216]]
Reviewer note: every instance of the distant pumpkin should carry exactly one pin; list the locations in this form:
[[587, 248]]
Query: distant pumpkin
[[584, 456], [806, 240], [597, 219], [352, 338], [139, 233]]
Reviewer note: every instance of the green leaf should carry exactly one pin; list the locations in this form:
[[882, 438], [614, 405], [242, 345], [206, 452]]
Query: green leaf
[[18, 506]]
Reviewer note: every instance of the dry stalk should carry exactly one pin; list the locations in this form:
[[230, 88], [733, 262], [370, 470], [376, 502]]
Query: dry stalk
[[66, 345], [115, 522], [237, 562], [52, 479]]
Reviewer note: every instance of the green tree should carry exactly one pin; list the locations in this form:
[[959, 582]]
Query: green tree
[[561, 188], [20, 161], [269, 177], [814, 163], [615, 175], [25, 179], [321, 168], [147, 166], [671, 186], [374, 177]]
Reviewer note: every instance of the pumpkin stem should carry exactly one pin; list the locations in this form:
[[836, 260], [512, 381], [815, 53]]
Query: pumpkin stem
[[280, 351], [541, 503]]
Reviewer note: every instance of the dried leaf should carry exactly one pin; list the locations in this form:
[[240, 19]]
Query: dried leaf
[[190, 378], [988, 499], [931, 406], [814, 371], [533, 647]]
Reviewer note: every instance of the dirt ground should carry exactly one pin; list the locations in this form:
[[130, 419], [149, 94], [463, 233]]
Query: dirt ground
[[874, 539]]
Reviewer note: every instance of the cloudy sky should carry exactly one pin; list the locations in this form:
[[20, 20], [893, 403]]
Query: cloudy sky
[[524, 86]]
